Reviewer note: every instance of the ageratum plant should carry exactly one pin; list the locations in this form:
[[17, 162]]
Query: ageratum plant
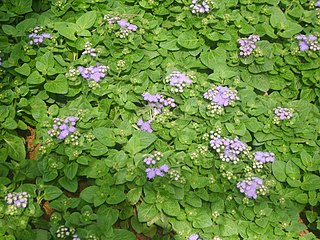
[[159, 119]]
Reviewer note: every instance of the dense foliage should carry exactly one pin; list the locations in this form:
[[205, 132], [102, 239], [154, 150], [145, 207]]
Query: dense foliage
[[162, 119]]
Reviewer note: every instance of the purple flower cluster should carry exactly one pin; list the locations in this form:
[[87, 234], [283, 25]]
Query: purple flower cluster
[[308, 42], [247, 45], [63, 127], [125, 26], [251, 187], [63, 232], [89, 50], [282, 114], [317, 4], [36, 37], [220, 97], [145, 126], [228, 150], [261, 158], [178, 81], [151, 160], [194, 237], [94, 73], [200, 6], [19, 199], [157, 102]]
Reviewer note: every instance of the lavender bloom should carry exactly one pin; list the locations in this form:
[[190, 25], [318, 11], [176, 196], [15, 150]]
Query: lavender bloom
[[151, 173], [282, 114], [308, 42], [178, 81], [89, 50], [264, 157], [36, 37], [94, 73], [62, 128], [220, 97], [19, 199], [157, 102], [164, 168], [126, 25], [317, 4], [145, 126], [251, 187], [194, 237], [247, 45], [200, 6], [229, 150]]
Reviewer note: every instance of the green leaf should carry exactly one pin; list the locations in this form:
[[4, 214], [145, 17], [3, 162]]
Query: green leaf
[[133, 195], [292, 170], [190, 106], [15, 147], [105, 136], [67, 30], [69, 185], [139, 141], [35, 78], [98, 149], [277, 18], [310, 182], [146, 212], [115, 196], [71, 170], [171, 207], [202, 220], [23, 70], [278, 170], [51, 192], [123, 234], [9, 30], [229, 228], [189, 40], [86, 20], [89, 193], [59, 85], [214, 58]]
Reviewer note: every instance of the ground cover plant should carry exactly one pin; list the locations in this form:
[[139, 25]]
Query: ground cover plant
[[163, 119]]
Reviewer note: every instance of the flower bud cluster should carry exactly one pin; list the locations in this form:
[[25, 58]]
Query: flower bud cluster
[[89, 50], [63, 127], [247, 45], [282, 114], [308, 43], [145, 126], [73, 73], [36, 37], [200, 6], [219, 98], [17, 199], [178, 81], [228, 150], [94, 73], [260, 158], [151, 160], [63, 232], [251, 187]]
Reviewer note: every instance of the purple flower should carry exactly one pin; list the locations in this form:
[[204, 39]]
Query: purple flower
[[164, 168], [145, 126], [63, 127], [264, 157], [89, 50], [194, 237], [283, 113], [36, 37], [151, 173], [19, 199], [308, 42], [317, 4], [94, 73], [178, 81], [200, 6], [250, 187], [247, 45]]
